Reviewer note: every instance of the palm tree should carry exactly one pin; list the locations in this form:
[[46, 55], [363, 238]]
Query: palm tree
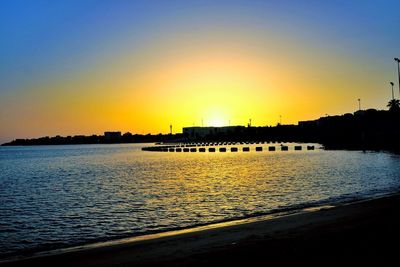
[[394, 105]]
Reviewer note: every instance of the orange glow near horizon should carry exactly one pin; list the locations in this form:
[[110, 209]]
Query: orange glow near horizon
[[209, 87]]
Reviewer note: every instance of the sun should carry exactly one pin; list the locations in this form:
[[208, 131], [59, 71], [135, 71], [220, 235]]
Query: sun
[[217, 122], [216, 116]]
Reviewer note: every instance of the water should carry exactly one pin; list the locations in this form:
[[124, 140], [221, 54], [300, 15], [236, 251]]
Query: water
[[60, 196]]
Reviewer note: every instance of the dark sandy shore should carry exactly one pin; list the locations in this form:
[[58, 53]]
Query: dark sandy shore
[[359, 233]]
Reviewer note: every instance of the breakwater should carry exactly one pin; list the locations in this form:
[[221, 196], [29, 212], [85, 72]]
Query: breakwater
[[227, 147]]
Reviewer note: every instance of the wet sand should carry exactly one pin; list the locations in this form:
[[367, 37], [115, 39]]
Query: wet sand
[[364, 232]]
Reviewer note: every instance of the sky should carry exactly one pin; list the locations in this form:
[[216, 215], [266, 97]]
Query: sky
[[85, 67]]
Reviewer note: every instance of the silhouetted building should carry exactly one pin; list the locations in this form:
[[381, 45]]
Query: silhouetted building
[[112, 136], [206, 132]]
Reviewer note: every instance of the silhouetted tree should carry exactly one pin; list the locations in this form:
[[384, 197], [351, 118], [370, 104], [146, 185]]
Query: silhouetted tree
[[394, 105]]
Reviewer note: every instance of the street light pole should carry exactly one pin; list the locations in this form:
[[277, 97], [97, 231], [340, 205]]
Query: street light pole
[[391, 83], [398, 70]]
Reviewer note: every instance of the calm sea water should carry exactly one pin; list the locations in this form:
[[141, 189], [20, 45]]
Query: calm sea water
[[60, 196]]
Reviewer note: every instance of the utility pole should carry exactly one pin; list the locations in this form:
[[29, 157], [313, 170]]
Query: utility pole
[[398, 70], [391, 83], [170, 129], [359, 104]]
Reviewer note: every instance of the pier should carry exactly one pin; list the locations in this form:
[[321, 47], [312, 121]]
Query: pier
[[229, 146]]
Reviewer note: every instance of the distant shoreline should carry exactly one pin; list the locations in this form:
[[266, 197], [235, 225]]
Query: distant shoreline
[[364, 130], [213, 243]]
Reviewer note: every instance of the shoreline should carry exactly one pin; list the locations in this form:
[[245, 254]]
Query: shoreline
[[253, 217], [212, 242]]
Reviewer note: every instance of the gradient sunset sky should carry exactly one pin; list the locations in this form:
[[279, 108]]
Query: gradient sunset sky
[[85, 67]]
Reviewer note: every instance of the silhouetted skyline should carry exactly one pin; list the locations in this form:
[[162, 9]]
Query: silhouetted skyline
[[364, 130]]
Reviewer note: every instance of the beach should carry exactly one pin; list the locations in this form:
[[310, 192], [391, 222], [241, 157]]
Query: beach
[[362, 232]]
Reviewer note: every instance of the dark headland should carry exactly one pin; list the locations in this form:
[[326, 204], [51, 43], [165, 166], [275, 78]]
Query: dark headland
[[362, 130]]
